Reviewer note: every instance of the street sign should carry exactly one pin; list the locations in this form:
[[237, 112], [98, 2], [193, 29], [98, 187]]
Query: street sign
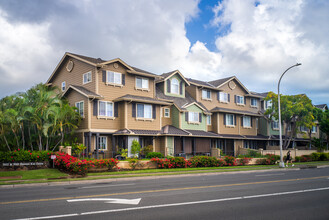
[[53, 156]]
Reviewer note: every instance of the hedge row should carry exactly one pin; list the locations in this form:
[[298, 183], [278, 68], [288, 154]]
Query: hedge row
[[74, 165], [25, 156], [199, 161]]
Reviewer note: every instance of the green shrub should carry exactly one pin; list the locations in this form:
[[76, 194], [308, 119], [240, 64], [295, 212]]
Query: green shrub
[[154, 155], [229, 160], [147, 149], [25, 156], [135, 148], [315, 156], [204, 161], [324, 156], [297, 159], [306, 158]]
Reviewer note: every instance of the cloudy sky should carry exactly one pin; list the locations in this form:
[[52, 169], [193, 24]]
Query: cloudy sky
[[206, 40]]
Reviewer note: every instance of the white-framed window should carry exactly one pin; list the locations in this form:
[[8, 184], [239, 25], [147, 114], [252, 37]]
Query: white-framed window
[[275, 125], [208, 119], [206, 94], [113, 77], [79, 106], [144, 111], [102, 140], [63, 86], [303, 129], [314, 129], [253, 102], [268, 104], [239, 99], [193, 116], [229, 119], [166, 112], [142, 83], [289, 127], [87, 77], [246, 121], [174, 86], [224, 97], [105, 109]]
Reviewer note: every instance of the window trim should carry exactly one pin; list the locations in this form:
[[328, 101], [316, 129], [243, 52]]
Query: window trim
[[254, 106], [172, 86], [244, 124], [239, 97], [99, 109], [141, 88], [164, 112], [315, 130], [207, 92], [275, 128], [225, 96], [226, 120], [151, 118], [113, 83], [83, 78], [64, 82], [100, 142], [208, 118], [83, 108], [194, 113], [266, 104]]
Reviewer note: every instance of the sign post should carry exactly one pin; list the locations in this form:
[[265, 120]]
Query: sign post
[[53, 157]]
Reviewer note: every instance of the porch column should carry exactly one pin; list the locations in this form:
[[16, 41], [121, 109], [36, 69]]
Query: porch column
[[113, 145], [89, 142], [193, 146], [85, 135], [97, 144]]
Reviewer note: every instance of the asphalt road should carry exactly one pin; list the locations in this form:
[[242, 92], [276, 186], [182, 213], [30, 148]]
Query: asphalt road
[[280, 194]]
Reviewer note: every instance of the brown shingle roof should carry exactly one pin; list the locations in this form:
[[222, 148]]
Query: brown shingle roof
[[202, 83], [82, 91], [218, 109], [141, 99], [201, 133], [219, 82], [90, 59], [171, 130]]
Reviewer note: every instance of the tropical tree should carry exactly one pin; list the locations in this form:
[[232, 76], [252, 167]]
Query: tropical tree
[[296, 110], [324, 124]]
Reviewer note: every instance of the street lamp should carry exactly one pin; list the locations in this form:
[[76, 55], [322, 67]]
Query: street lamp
[[279, 107]]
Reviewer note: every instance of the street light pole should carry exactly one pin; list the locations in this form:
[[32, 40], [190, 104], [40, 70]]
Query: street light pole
[[279, 107]]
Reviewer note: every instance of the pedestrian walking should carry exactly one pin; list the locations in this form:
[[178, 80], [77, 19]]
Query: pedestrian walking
[[289, 159]]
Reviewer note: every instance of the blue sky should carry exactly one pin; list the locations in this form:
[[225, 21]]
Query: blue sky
[[206, 40]]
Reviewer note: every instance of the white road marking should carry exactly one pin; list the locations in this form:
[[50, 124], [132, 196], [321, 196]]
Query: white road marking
[[179, 204], [109, 200], [277, 174], [90, 187]]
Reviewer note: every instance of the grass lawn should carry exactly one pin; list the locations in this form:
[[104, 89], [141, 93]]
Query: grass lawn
[[32, 174], [43, 175]]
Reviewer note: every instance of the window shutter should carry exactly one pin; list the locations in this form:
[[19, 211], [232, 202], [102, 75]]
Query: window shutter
[[218, 96], [242, 121], [168, 85], [250, 121], [272, 124], [228, 97], [234, 119], [154, 111], [186, 116], [95, 107], [123, 79], [134, 110], [245, 100], [104, 76], [234, 98], [224, 119], [181, 87], [116, 109], [200, 117], [316, 128]]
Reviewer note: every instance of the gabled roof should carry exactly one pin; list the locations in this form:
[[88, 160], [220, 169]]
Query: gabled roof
[[170, 74], [180, 103], [220, 82], [83, 91], [98, 62], [322, 106], [201, 83]]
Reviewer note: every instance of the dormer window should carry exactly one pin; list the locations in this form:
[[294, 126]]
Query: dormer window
[[174, 86]]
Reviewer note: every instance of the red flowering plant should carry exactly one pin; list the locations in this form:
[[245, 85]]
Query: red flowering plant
[[25, 156], [243, 161], [173, 162], [229, 161], [205, 161]]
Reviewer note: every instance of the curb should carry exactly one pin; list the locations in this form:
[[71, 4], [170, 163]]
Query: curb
[[153, 177]]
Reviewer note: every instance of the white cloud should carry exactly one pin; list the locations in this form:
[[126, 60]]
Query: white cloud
[[260, 44]]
